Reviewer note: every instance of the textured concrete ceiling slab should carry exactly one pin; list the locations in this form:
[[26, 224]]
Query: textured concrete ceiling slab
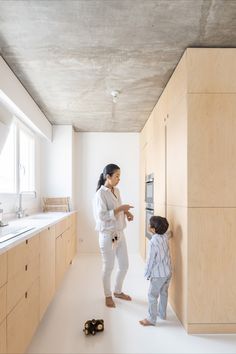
[[70, 55]]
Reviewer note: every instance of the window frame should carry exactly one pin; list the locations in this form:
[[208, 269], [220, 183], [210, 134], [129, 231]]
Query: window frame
[[19, 126]]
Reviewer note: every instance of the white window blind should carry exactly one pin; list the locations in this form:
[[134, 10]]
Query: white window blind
[[8, 163], [17, 160]]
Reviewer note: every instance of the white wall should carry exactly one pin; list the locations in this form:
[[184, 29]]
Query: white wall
[[57, 163], [93, 152]]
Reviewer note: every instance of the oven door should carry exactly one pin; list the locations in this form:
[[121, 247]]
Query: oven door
[[149, 191], [149, 214]]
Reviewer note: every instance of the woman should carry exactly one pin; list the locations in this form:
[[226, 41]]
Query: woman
[[110, 222]]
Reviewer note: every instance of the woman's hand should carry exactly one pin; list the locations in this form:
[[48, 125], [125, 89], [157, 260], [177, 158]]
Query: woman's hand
[[124, 207], [129, 216]]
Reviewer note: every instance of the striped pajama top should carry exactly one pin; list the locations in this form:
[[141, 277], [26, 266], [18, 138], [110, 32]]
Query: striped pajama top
[[158, 262]]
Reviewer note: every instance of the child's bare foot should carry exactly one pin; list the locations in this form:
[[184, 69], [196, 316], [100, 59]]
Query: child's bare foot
[[145, 322], [123, 296], [109, 302]]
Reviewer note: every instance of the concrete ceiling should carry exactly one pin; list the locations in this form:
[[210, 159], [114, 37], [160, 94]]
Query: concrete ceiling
[[70, 55]]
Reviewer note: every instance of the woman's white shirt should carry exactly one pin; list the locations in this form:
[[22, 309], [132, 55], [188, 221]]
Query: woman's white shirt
[[103, 207]]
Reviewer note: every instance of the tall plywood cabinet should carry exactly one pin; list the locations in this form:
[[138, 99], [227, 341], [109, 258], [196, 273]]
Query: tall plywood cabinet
[[192, 154]]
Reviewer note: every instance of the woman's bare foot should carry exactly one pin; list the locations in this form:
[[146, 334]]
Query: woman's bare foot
[[109, 302], [123, 296], [145, 322]]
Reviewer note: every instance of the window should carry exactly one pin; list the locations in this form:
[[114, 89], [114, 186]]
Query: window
[[17, 160], [8, 163]]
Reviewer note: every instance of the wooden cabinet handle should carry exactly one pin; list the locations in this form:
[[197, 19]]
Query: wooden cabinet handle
[[26, 241], [26, 294], [26, 267]]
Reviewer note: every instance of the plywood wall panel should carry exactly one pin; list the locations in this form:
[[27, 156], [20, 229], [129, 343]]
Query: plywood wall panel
[[211, 70], [211, 150], [212, 265]]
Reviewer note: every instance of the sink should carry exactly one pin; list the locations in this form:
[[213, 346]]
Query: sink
[[9, 232], [40, 217], [45, 216]]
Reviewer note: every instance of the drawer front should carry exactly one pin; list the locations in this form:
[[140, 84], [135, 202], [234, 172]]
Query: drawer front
[[3, 302], [21, 255], [3, 337], [18, 285], [3, 268], [23, 320], [61, 227]]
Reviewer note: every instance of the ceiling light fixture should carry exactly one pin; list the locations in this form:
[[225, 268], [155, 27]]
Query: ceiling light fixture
[[115, 95]]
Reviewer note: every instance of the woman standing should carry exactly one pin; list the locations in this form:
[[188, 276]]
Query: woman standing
[[110, 222]]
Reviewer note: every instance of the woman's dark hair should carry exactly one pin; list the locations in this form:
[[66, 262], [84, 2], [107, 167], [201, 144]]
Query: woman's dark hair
[[108, 170], [159, 223]]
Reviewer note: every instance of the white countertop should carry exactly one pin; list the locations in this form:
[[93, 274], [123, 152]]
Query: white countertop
[[38, 223]]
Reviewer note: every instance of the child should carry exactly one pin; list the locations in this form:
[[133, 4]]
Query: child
[[158, 270]]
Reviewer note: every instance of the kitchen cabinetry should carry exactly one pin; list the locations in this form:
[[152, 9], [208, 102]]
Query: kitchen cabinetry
[[23, 269], [22, 294], [47, 268], [23, 320], [3, 302], [3, 337], [199, 193], [27, 281], [65, 246]]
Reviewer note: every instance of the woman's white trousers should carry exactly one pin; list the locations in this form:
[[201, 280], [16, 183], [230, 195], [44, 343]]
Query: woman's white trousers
[[109, 252]]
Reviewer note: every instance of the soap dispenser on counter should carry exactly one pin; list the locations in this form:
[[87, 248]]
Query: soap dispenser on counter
[[1, 216]]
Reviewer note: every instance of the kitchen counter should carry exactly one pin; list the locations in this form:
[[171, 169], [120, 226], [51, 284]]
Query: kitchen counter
[[35, 222]]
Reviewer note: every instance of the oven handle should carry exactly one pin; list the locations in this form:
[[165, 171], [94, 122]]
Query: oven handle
[[149, 209]]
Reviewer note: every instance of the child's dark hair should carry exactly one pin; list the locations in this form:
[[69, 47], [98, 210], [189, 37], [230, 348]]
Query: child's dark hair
[[159, 223], [108, 170]]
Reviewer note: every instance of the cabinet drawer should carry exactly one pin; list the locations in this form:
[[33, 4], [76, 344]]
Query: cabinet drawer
[[61, 227], [3, 268], [18, 285], [21, 255], [3, 302], [23, 320], [3, 337]]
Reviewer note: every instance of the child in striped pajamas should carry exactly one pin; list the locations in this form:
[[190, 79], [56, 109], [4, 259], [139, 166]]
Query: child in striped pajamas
[[158, 270]]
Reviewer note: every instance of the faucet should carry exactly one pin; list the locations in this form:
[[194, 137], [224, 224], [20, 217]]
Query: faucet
[[20, 211]]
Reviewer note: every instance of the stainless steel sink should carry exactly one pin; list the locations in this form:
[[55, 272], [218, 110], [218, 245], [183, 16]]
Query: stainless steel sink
[[8, 232]]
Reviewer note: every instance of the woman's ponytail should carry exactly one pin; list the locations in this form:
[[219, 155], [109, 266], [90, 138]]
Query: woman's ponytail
[[101, 181], [108, 170]]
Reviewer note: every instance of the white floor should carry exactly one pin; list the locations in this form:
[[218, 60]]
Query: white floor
[[80, 298]]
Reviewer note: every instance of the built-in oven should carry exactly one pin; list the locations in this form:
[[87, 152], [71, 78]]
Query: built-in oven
[[149, 214], [149, 200], [149, 191]]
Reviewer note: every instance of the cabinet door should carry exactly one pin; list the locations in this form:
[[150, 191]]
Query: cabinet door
[[3, 337], [177, 154], [211, 265], [61, 226], [3, 302], [23, 320], [18, 284], [60, 258], [47, 268], [142, 203], [3, 269]]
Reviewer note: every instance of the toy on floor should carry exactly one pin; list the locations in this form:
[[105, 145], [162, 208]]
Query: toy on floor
[[93, 326]]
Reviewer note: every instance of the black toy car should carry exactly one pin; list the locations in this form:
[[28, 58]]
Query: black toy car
[[93, 326]]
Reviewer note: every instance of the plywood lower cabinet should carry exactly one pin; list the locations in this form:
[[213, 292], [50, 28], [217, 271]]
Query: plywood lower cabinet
[[65, 247], [23, 320], [60, 258], [3, 303], [47, 268], [3, 337], [28, 275]]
